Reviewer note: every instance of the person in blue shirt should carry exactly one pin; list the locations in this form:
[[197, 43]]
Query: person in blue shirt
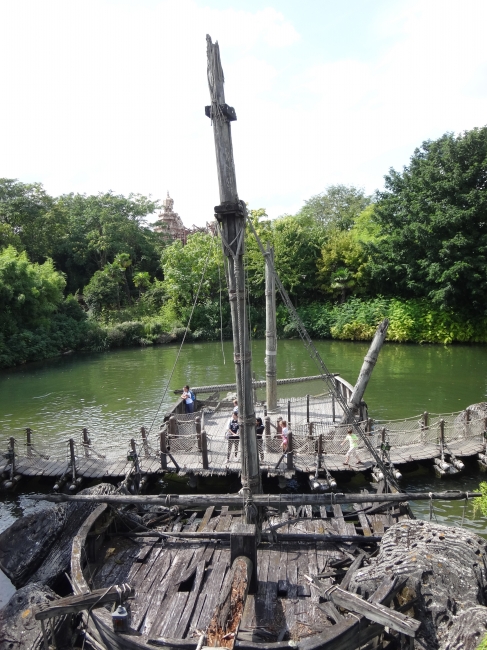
[[188, 400]]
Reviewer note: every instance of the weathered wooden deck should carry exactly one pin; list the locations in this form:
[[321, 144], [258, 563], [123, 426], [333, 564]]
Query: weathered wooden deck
[[317, 444], [177, 583]]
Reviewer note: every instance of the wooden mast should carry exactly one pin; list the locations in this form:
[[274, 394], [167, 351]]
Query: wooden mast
[[231, 214], [366, 371], [270, 332]]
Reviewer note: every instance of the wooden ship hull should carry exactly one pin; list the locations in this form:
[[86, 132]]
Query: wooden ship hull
[[182, 575]]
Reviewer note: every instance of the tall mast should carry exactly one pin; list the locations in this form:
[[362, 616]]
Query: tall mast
[[231, 214], [270, 331]]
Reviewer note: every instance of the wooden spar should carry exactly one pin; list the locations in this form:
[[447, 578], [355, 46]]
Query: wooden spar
[[270, 332], [374, 612], [268, 537], [274, 500], [231, 214], [78, 603], [366, 371], [255, 384]]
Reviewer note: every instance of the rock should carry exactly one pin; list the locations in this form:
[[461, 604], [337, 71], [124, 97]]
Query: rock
[[37, 548], [18, 628], [446, 569]]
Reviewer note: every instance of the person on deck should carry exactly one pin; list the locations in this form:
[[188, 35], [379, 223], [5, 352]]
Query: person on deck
[[188, 400], [235, 406], [284, 435], [232, 435], [352, 440], [259, 430]]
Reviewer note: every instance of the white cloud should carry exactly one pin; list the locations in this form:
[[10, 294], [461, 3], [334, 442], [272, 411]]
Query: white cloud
[[102, 95]]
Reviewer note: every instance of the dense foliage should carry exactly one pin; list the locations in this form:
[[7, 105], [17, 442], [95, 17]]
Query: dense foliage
[[89, 272]]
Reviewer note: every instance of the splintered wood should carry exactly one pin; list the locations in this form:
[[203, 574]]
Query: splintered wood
[[224, 624]]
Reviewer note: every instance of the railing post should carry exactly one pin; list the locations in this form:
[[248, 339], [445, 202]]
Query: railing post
[[28, 431], [73, 459], [197, 422], [204, 449], [135, 458], [290, 454], [369, 425], [288, 412], [320, 449], [310, 429], [86, 442], [172, 426], [143, 433], [333, 410], [442, 435], [163, 447], [12, 465], [425, 420], [267, 424], [307, 408]]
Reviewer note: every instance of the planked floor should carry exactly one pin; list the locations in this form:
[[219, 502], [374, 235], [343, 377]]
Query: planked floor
[[222, 459], [166, 605]]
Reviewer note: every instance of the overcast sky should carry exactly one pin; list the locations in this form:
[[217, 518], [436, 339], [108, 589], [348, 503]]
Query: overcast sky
[[102, 95]]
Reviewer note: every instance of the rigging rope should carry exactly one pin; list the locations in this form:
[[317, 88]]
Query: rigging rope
[[325, 373], [184, 338]]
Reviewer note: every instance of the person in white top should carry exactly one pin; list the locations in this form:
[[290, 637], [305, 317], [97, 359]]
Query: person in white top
[[188, 400]]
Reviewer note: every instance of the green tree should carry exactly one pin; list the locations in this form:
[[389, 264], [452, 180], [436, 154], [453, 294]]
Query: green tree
[[342, 264], [336, 207], [183, 269], [29, 292], [30, 219], [297, 243], [433, 223], [102, 226]]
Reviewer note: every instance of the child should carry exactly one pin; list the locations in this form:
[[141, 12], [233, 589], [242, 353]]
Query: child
[[232, 435], [284, 435], [352, 440]]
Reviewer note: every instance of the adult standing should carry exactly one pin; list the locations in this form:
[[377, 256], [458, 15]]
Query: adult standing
[[188, 399]]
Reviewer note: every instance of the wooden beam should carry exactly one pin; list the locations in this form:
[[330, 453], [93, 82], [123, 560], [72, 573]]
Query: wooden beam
[[205, 500], [76, 604]]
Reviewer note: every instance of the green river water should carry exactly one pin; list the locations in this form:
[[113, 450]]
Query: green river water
[[115, 393]]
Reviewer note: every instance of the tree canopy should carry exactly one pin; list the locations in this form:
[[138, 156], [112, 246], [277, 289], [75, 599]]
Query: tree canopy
[[432, 218]]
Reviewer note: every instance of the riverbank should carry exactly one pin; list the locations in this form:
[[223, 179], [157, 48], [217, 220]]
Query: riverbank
[[411, 321]]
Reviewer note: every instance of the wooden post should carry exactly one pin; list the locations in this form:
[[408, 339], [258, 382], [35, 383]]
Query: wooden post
[[289, 412], [369, 425], [267, 424], [135, 457], [270, 332], [204, 449], [172, 426], [243, 541], [29, 442], [231, 215], [73, 459], [12, 453], [197, 422], [366, 370], [442, 436], [86, 442], [307, 408], [425, 420], [320, 449], [143, 433], [289, 457], [311, 427], [163, 448], [254, 388]]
